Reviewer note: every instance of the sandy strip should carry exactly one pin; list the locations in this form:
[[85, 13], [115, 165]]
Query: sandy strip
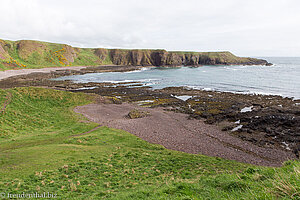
[[174, 131], [9, 73]]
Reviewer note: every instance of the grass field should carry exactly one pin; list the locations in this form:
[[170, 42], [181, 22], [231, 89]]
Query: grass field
[[38, 153]]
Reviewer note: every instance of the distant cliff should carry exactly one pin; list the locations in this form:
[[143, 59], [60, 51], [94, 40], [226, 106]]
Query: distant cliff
[[36, 54]]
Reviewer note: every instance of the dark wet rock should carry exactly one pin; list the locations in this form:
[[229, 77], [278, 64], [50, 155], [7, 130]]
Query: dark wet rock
[[297, 151]]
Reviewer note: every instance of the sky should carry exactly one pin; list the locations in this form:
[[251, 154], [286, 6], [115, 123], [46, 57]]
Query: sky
[[246, 28]]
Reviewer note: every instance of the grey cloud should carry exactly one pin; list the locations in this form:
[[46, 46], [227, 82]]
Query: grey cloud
[[247, 28]]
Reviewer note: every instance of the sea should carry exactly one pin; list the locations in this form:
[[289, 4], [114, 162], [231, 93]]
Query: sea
[[282, 78]]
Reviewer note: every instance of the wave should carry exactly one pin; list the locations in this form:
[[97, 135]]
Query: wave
[[129, 80], [199, 88], [237, 92], [138, 70]]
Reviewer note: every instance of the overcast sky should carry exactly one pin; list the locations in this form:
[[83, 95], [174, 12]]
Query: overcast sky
[[246, 28]]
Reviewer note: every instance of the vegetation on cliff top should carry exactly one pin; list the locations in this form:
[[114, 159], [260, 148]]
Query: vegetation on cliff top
[[43, 150], [36, 54]]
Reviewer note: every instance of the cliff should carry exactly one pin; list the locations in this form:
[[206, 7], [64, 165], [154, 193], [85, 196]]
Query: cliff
[[36, 54]]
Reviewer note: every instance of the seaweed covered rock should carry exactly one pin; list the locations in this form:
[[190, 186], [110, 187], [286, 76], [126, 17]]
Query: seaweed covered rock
[[137, 114]]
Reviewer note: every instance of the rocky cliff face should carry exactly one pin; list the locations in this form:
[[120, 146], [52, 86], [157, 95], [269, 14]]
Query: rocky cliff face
[[35, 54], [70, 53], [164, 58]]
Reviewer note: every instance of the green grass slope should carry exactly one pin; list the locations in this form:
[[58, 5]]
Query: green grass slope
[[36, 54], [38, 153]]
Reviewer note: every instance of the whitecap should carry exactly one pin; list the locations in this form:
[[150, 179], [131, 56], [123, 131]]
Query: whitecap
[[246, 109], [237, 128], [183, 97], [138, 70]]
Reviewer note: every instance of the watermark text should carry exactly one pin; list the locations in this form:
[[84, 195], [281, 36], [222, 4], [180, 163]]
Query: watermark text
[[36, 195]]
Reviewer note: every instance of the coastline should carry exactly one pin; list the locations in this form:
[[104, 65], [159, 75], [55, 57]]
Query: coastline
[[62, 71], [63, 55], [262, 126]]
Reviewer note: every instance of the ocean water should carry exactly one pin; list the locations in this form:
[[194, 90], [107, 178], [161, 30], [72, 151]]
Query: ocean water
[[282, 78]]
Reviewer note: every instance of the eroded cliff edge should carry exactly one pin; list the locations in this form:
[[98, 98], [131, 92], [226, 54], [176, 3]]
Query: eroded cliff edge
[[36, 54]]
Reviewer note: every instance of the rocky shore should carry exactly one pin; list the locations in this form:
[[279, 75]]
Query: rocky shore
[[266, 121]]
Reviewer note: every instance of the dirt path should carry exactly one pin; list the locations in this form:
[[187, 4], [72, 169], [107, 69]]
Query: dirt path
[[7, 101], [175, 131], [9, 73], [86, 132]]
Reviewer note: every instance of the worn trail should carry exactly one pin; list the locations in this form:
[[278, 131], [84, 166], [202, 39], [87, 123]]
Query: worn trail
[[87, 131], [6, 103]]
